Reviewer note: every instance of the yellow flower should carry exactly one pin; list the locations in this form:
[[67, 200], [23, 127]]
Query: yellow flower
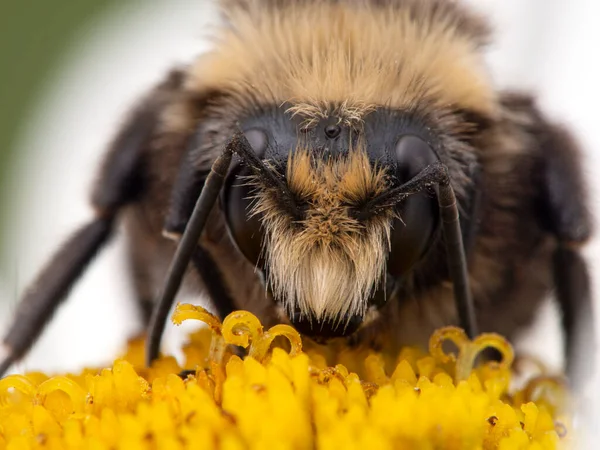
[[286, 399]]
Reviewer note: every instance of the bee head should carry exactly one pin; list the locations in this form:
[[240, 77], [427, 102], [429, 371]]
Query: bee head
[[326, 258], [343, 101]]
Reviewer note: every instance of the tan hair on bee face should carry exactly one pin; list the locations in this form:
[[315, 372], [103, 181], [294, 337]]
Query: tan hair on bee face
[[330, 58], [329, 264]]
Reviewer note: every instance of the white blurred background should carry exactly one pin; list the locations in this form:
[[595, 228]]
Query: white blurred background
[[545, 46]]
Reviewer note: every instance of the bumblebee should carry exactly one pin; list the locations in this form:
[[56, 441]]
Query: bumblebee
[[346, 166]]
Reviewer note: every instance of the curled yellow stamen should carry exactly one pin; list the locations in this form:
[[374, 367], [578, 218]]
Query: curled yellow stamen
[[452, 334], [186, 311], [551, 390], [534, 364], [241, 328], [479, 344], [69, 387], [261, 347], [325, 397], [19, 383], [468, 350]]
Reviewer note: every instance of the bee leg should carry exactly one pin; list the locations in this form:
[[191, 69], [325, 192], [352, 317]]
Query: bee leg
[[119, 185], [51, 287], [563, 212], [185, 250], [574, 296]]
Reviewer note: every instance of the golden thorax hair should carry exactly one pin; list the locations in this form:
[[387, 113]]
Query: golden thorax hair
[[348, 56]]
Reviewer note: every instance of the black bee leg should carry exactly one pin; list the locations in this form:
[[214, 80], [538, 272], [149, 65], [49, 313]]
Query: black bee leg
[[563, 212], [51, 287], [574, 295], [120, 183], [185, 250]]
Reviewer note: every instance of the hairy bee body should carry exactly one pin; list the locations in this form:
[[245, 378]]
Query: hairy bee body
[[339, 81], [510, 251]]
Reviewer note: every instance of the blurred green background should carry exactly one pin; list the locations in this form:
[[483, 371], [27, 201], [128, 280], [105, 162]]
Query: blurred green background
[[34, 37]]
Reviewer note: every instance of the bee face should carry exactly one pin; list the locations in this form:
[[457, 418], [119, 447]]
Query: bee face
[[347, 119], [341, 120], [327, 262]]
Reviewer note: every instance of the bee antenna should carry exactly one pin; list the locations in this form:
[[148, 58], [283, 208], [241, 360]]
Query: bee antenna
[[193, 230], [436, 174], [429, 177], [185, 250], [268, 177]]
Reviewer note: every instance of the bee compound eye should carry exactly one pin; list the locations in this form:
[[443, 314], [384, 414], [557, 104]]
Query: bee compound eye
[[245, 229], [412, 154], [412, 235], [258, 140]]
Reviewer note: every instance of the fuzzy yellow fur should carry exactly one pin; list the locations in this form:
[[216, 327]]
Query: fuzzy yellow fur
[[328, 264], [343, 58]]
